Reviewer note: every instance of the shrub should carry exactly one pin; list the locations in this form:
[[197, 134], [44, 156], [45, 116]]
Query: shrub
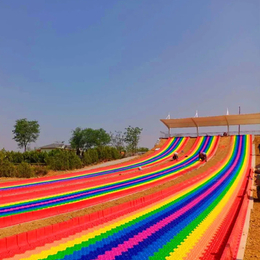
[[34, 157], [7, 169], [115, 153], [143, 149], [74, 161], [24, 170], [101, 153], [14, 157], [87, 160], [31, 157], [108, 153], [40, 170], [59, 160], [93, 155]]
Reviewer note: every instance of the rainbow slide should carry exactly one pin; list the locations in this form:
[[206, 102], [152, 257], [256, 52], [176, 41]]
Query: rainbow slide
[[172, 145], [183, 225], [32, 206]]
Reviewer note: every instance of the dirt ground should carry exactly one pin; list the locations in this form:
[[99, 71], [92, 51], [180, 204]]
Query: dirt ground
[[220, 154], [253, 239]]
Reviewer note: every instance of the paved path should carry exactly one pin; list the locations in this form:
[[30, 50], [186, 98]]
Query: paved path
[[107, 163]]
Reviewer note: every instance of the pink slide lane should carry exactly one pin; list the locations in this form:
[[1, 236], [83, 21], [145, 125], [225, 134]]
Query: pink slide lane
[[109, 255]]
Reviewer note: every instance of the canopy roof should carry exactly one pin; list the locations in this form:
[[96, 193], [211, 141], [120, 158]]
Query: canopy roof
[[225, 120]]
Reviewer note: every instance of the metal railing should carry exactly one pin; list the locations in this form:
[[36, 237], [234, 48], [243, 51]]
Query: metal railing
[[251, 132]]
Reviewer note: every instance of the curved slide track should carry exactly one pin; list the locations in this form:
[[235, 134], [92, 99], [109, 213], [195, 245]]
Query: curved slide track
[[77, 184], [182, 226], [22, 209], [172, 145]]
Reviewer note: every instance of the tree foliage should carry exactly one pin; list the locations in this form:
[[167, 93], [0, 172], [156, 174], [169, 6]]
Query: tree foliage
[[77, 140], [143, 149], [132, 137], [60, 160], [25, 132], [85, 139], [89, 138], [101, 137], [118, 140]]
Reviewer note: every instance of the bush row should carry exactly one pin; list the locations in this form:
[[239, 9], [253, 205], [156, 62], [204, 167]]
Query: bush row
[[31, 157], [16, 164], [100, 154], [23, 170], [60, 160]]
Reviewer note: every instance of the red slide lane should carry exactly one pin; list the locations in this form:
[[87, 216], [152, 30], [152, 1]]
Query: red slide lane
[[55, 188], [28, 240], [33, 180], [45, 186], [44, 213], [230, 231]]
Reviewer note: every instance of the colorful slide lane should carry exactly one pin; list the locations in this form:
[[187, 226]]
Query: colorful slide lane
[[64, 202], [182, 226], [171, 146], [94, 182], [85, 181]]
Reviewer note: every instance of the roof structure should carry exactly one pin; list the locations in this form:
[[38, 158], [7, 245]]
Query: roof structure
[[225, 120], [56, 146]]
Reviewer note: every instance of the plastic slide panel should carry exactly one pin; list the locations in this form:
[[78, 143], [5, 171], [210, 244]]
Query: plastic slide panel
[[79, 254], [167, 148], [232, 245], [48, 189], [47, 212], [93, 219], [59, 188]]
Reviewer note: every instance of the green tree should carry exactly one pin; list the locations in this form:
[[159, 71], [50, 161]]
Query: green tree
[[87, 138], [117, 140], [25, 132], [132, 137], [77, 141], [101, 137]]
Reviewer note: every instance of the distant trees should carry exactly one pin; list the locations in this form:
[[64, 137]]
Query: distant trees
[[77, 141], [117, 140], [102, 138], [93, 146], [85, 139], [132, 137], [128, 140], [26, 132], [142, 149]]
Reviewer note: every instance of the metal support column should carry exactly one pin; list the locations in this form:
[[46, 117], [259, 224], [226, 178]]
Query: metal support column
[[239, 125], [227, 125], [196, 126]]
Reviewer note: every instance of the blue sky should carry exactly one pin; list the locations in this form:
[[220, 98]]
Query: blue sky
[[110, 64]]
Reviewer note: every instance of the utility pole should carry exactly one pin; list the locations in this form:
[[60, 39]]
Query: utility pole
[[239, 125]]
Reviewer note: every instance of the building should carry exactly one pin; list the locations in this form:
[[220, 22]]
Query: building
[[54, 146]]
